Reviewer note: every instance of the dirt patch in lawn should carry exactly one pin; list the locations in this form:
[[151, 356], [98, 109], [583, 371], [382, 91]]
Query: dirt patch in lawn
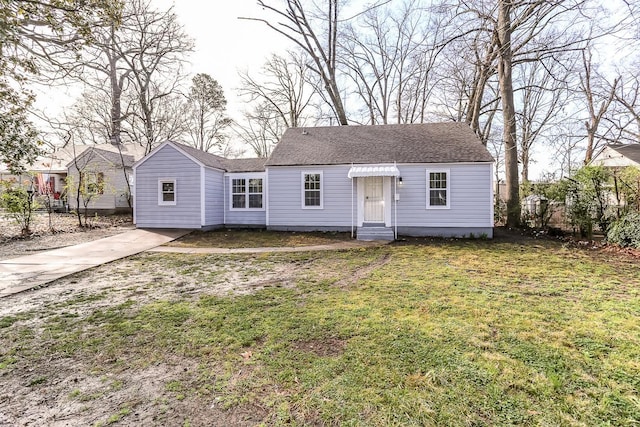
[[322, 347], [73, 394], [95, 389], [64, 231], [257, 238]]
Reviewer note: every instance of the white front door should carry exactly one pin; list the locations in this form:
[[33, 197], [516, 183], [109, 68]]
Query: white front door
[[373, 199]]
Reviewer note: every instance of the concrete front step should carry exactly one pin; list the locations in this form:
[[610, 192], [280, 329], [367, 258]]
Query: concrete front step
[[375, 233]]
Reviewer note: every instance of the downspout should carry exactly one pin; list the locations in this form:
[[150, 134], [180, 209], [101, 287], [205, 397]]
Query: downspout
[[224, 199], [266, 196], [203, 201], [395, 202], [395, 205], [352, 207], [135, 199]]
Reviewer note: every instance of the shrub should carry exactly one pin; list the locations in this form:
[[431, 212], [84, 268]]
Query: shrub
[[625, 231], [588, 193], [18, 204]]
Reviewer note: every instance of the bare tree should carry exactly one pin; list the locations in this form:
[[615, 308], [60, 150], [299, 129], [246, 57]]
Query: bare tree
[[513, 33], [542, 88], [261, 129], [282, 89], [206, 107], [595, 108], [156, 49], [32, 36], [389, 57], [626, 117], [281, 96], [316, 33]]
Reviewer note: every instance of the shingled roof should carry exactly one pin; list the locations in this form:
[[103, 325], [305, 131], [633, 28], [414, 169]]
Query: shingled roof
[[245, 165], [114, 158], [203, 157], [404, 143], [630, 151]]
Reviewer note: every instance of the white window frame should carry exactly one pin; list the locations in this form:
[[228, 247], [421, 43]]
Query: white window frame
[[161, 202], [302, 189], [447, 188], [247, 194]]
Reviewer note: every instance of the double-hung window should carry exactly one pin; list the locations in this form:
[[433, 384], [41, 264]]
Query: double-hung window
[[94, 182], [438, 189], [167, 192], [239, 192], [312, 190], [255, 193], [247, 193]]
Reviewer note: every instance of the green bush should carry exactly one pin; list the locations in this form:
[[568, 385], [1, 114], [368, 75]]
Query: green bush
[[625, 231], [18, 204], [588, 204]]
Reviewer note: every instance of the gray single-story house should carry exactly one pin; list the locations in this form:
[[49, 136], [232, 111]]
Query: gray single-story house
[[381, 181], [178, 186], [374, 181]]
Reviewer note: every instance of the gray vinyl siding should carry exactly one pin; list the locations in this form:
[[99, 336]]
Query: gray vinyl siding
[[214, 195], [285, 198], [252, 217], [470, 193], [168, 163], [470, 204], [114, 190]]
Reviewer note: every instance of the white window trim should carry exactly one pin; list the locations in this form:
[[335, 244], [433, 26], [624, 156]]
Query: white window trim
[[311, 172], [247, 177], [175, 192], [448, 188]]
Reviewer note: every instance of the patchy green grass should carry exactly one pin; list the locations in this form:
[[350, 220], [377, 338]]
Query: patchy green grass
[[441, 333], [256, 238]]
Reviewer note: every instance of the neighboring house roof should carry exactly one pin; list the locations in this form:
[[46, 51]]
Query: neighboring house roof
[[93, 152], [617, 155], [630, 151], [245, 165], [57, 160], [401, 143]]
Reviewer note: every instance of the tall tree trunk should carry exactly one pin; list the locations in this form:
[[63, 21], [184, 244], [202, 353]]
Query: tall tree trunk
[[505, 78], [116, 89], [524, 174]]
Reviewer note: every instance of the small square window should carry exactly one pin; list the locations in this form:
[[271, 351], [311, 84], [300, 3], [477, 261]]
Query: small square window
[[167, 192]]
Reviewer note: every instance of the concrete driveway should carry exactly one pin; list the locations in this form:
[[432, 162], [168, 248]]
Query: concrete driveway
[[26, 272]]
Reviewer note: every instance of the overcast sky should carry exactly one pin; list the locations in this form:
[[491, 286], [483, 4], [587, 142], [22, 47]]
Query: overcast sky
[[224, 43]]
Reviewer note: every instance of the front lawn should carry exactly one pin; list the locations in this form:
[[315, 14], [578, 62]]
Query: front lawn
[[428, 334]]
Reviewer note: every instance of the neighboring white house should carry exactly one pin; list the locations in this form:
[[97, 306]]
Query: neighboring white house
[[618, 156], [103, 178], [375, 181], [104, 168]]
